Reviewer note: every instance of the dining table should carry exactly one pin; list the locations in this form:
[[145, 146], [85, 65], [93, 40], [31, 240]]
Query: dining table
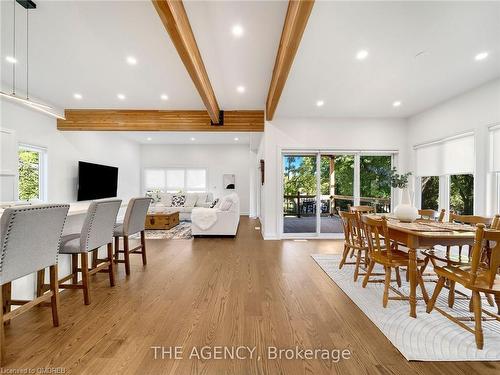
[[426, 234]]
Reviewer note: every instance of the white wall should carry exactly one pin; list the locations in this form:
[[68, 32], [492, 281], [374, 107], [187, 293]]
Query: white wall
[[333, 134], [218, 159], [65, 149], [475, 111]]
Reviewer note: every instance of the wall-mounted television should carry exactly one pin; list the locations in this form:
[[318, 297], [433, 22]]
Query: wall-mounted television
[[96, 181]]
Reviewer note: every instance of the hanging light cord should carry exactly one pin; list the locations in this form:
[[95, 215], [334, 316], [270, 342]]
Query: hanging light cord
[[14, 53], [27, 55]]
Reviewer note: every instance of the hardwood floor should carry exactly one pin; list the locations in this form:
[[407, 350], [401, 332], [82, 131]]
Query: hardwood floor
[[225, 291]]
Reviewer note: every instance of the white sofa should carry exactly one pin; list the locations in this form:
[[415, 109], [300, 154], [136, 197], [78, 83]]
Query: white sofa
[[228, 218], [192, 200]]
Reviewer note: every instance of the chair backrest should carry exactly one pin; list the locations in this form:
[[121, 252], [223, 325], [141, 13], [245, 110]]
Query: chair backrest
[[470, 219], [99, 224], [349, 223], [362, 209], [29, 239], [490, 239], [377, 235], [430, 214], [495, 224], [135, 216]]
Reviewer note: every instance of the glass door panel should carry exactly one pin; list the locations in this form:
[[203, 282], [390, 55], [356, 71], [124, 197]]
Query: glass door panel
[[462, 194], [375, 181], [430, 193], [336, 189], [300, 192]]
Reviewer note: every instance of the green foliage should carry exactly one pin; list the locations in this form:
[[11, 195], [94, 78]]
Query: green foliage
[[399, 181], [375, 176], [430, 193], [29, 179], [462, 194]]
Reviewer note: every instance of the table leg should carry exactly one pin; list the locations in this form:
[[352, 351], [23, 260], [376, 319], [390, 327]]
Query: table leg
[[412, 266]]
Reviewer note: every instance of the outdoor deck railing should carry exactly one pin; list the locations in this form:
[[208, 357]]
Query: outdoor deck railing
[[305, 205]]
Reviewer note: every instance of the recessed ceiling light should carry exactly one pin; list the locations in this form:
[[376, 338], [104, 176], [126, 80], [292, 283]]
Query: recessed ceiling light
[[240, 89], [192, 139], [361, 55], [236, 139], [131, 60], [164, 97], [237, 31], [397, 103], [320, 103], [481, 56], [11, 59], [120, 96], [149, 139], [77, 96]]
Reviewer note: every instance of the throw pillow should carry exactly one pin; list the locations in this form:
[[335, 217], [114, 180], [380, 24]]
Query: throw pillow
[[226, 203], [214, 203], [178, 200], [191, 200], [202, 199], [166, 199]]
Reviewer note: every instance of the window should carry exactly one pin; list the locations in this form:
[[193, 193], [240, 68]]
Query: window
[[430, 192], [462, 194], [32, 173], [173, 180]]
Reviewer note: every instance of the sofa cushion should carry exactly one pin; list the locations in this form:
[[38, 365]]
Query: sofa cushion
[[191, 199], [178, 200], [202, 199]]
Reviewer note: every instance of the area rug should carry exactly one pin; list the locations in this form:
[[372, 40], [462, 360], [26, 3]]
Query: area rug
[[179, 232], [429, 337]]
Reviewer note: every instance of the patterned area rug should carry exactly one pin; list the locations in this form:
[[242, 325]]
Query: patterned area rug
[[429, 337], [179, 232]]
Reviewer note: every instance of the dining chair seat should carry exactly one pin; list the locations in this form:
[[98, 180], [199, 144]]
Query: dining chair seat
[[462, 274]]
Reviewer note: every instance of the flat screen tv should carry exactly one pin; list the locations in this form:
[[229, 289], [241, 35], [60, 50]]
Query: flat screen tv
[[96, 181]]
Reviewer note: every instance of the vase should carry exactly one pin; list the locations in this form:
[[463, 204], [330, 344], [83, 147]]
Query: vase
[[405, 211]]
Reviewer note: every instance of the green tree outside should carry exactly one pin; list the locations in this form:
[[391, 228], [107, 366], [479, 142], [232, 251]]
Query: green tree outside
[[29, 179]]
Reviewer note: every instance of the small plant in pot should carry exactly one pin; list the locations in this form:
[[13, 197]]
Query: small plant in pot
[[404, 211]]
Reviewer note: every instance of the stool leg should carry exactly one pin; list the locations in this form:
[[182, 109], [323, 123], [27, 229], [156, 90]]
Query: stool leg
[[6, 298], [85, 278], [40, 281], [2, 333], [74, 267], [117, 247], [95, 254], [111, 268], [54, 300], [143, 248], [126, 255]]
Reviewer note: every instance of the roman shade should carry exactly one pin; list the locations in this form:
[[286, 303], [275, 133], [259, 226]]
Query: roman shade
[[449, 156], [495, 148]]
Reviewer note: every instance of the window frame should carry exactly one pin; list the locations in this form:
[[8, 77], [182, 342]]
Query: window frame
[[42, 170], [184, 189]]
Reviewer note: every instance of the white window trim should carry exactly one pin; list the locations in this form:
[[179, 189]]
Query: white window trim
[[42, 173]]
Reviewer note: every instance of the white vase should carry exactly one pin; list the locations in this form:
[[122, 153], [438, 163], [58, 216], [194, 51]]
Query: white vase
[[405, 210]]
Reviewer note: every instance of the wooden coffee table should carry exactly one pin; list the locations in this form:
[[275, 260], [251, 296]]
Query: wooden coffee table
[[162, 220]]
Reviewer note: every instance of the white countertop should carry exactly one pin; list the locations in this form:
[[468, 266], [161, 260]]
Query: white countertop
[[78, 208]]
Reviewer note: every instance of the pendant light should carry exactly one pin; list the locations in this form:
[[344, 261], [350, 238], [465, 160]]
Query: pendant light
[[32, 104]]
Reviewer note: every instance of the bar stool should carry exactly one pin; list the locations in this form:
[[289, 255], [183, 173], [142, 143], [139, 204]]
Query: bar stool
[[29, 242], [97, 231], [134, 222]]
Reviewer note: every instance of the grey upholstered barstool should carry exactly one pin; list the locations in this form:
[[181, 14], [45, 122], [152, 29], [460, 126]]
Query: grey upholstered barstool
[[29, 242], [134, 222], [97, 231]]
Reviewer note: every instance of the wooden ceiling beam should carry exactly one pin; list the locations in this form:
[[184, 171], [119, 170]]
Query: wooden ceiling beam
[[296, 19], [153, 120], [174, 18]]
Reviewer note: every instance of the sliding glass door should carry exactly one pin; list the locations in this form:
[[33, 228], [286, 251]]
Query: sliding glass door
[[316, 186], [299, 193]]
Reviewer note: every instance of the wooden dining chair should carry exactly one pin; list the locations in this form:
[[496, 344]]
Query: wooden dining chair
[[361, 209], [429, 214], [479, 278], [354, 242], [381, 251], [495, 224]]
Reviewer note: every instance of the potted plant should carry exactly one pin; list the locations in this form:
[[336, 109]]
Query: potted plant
[[404, 211]]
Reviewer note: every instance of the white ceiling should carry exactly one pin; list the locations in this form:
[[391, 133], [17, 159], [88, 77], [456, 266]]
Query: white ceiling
[[81, 46], [200, 138], [449, 33]]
